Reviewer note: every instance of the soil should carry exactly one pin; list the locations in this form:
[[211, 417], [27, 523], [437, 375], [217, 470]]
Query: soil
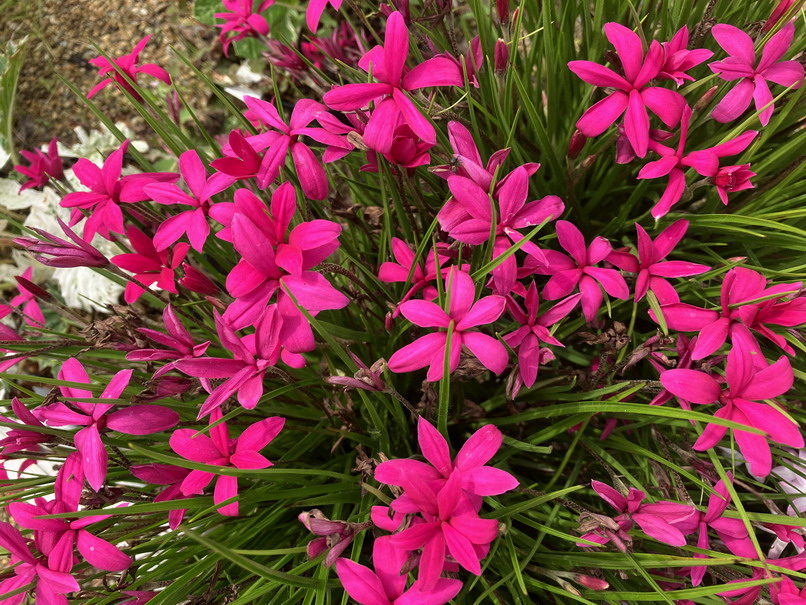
[[60, 36]]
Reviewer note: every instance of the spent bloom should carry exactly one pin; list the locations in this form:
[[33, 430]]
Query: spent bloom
[[632, 93], [242, 20], [752, 76], [219, 449], [462, 316], [42, 166], [55, 252], [127, 64], [392, 105]]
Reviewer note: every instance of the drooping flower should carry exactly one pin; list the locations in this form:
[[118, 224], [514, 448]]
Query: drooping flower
[[282, 138], [632, 93], [242, 20], [673, 163], [149, 265], [392, 105], [218, 449], [534, 329], [678, 59], [191, 222], [462, 317], [26, 302], [42, 166], [106, 191], [55, 252], [254, 355], [386, 585], [578, 269], [127, 64], [98, 417], [315, 9], [650, 265], [746, 386], [752, 76]]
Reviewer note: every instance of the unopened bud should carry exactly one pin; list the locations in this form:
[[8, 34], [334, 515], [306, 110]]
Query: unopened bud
[[576, 144], [705, 99], [514, 19], [502, 8], [388, 322], [591, 583], [196, 281], [501, 57], [588, 161], [34, 289]]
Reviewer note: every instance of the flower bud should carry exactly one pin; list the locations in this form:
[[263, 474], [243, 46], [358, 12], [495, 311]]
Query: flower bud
[[591, 583], [501, 57], [196, 281], [576, 144], [502, 8], [705, 99]]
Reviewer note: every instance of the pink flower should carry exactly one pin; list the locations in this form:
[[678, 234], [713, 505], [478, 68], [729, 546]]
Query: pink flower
[[422, 274], [473, 61], [777, 14], [106, 191], [387, 65], [579, 269], [678, 59], [534, 330], [254, 356], [475, 478], [386, 585], [127, 64], [652, 270], [99, 417], [462, 316], [786, 593], [26, 301], [42, 167], [315, 9], [448, 526], [467, 160], [753, 77], [51, 585], [732, 178], [242, 21], [624, 151], [282, 138], [149, 265], [407, 151], [631, 92], [22, 439], [740, 287], [165, 474], [61, 252], [179, 341], [469, 218], [242, 162], [218, 449], [197, 281], [746, 385], [191, 222], [674, 163], [62, 535], [274, 260]]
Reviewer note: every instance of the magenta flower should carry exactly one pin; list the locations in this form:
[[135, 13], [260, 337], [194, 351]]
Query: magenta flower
[[786, 592], [386, 585], [468, 162], [191, 222], [624, 151], [218, 449], [534, 330], [475, 478], [422, 274], [277, 261], [652, 270], [387, 65], [22, 439], [740, 287], [777, 14], [149, 265], [753, 77], [254, 356], [26, 301], [42, 167], [242, 162], [449, 526], [578, 270], [632, 93], [62, 535], [732, 178], [678, 59], [283, 138], [242, 21], [469, 218], [315, 9], [407, 151], [197, 281], [61, 252], [51, 584], [462, 316], [179, 341], [172, 477], [98, 417], [674, 163], [127, 64], [106, 191], [746, 385]]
